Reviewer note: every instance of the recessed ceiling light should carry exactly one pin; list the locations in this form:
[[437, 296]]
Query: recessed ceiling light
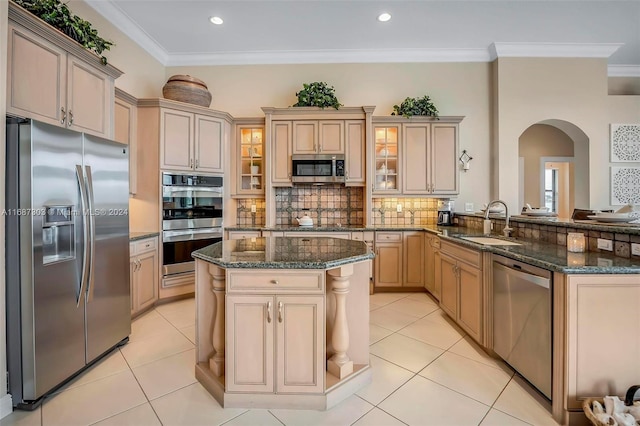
[[216, 20], [384, 17]]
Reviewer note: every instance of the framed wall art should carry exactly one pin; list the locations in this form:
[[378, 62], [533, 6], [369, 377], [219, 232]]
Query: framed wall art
[[625, 143], [625, 185]]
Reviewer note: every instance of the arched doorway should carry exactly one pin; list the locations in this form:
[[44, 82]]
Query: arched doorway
[[554, 166]]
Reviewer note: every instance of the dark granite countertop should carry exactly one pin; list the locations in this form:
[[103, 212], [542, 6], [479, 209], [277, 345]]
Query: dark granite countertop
[[551, 256], [335, 228], [135, 236], [285, 253]]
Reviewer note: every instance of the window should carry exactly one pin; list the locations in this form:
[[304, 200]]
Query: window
[[551, 189]]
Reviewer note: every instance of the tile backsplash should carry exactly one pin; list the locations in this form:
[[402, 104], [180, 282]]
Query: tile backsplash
[[327, 205], [415, 211], [244, 216]]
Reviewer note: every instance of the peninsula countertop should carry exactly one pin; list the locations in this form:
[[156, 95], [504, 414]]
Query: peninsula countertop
[[285, 253]]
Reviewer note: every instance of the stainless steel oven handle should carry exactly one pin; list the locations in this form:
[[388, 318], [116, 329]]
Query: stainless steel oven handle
[[177, 188], [191, 234]]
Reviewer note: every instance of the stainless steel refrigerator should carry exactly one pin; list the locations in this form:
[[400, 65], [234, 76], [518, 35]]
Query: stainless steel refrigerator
[[67, 254]]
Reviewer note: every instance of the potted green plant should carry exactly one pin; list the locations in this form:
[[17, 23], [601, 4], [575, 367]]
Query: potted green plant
[[416, 106], [58, 15], [318, 94]]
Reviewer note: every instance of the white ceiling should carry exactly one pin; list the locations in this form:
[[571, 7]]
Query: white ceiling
[[178, 32]]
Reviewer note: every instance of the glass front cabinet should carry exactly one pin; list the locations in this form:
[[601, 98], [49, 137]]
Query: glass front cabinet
[[387, 173], [250, 173]]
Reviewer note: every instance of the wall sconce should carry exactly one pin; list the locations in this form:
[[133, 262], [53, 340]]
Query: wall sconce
[[465, 159]]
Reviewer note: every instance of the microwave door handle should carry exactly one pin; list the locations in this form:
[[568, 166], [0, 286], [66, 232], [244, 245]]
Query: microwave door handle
[[85, 233], [333, 167], [92, 228]]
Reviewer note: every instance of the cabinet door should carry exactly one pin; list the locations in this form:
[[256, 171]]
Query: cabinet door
[[176, 140], [386, 164], [125, 128], [413, 259], [437, 275], [355, 153], [132, 279], [416, 158], [388, 264], [89, 99], [470, 294], [146, 282], [300, 344], [281, 153], [249, 349], [305, 137], [209, 144], [36, 77], [448, 285], [249, 160], [331, 137], [444, 159]]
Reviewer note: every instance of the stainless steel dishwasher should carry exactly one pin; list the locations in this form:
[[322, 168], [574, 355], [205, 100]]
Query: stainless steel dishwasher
[[522, 319]]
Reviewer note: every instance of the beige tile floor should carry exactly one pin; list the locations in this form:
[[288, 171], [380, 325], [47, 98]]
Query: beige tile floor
[[426, 371]]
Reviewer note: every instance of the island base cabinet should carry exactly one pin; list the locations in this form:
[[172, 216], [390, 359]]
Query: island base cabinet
[[275, 344]]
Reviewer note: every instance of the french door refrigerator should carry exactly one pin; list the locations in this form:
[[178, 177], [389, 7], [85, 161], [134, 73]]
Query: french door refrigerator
[[67, 254]]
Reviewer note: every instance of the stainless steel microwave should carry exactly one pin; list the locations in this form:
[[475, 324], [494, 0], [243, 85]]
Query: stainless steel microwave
[[317, 168]]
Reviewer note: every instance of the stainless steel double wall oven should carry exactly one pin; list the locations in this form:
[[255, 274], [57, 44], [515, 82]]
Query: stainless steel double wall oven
[[191, 219]]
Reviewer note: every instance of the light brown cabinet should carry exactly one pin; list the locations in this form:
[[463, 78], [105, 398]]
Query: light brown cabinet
[[275, 343], [432, 257], [355, 169], [55, 80], [416, 156], [281, 147], [144, 270], [125, 131], [191, 141], [250, 160], [318, 137], [399, 259], [460, 278]]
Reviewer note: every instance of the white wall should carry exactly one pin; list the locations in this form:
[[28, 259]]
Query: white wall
[[456, 88], [5, 400]]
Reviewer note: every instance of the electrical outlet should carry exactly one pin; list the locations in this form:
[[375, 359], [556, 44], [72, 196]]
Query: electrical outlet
[[468, 207], [604, 263], [635, 249], [253, 208], [399, 208], [605, 244]]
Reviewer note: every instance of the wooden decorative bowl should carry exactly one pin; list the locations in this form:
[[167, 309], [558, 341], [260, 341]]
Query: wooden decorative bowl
[[184, 88]]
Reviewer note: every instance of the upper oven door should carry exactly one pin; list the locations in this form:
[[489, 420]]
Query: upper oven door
[[191, 201]]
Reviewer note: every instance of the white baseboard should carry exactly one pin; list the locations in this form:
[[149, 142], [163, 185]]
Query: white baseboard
[[6, 406]]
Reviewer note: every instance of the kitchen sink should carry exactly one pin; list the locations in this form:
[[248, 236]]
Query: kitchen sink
[[491, 241]]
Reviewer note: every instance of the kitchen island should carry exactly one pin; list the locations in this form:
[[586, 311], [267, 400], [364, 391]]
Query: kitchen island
[[283, 322]]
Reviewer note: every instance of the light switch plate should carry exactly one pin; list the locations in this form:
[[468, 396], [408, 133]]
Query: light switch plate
[[253, 208], [604, 244], [468, 207], [635, 249], [399, 207]]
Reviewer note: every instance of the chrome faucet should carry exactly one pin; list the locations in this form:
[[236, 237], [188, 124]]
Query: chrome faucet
[[506, 231]]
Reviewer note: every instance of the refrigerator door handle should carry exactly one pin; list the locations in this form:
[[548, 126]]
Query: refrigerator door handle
[[92, 228], [85, 233]]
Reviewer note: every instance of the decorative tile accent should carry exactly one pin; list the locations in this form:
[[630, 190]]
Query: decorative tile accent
[[415, 211], [327, 205], [625, 185], [625, 143]]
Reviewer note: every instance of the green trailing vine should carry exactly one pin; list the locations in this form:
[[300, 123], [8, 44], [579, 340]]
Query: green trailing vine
[[318, 94], [416, 106], [58, 15]]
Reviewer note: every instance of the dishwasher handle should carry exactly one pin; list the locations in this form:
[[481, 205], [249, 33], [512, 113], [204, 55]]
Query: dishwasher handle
[[533, 279]]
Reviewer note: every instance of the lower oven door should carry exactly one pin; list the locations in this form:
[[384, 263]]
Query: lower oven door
[[177, 246]]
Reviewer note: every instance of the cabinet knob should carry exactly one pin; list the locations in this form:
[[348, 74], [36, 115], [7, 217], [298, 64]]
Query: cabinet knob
[[191, 163], [70, 117], [64, 115], [197, 163], [275, 282]]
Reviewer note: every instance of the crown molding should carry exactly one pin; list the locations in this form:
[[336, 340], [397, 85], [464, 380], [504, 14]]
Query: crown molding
[[124, 23], [552, 50], [623, 70], [330, 57]]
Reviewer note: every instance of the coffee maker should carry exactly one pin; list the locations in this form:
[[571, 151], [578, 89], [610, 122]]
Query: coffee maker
[[445, 213]]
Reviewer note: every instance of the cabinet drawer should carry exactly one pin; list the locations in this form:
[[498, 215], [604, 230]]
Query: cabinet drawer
[[144, 246], [434, 242], [381, 237], [274, 281], [472, 257], [243, 235], [328, 234], [357, 236]]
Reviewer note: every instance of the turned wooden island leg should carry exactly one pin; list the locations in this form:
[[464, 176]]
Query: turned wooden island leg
[[340, 365], [216, 362]]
